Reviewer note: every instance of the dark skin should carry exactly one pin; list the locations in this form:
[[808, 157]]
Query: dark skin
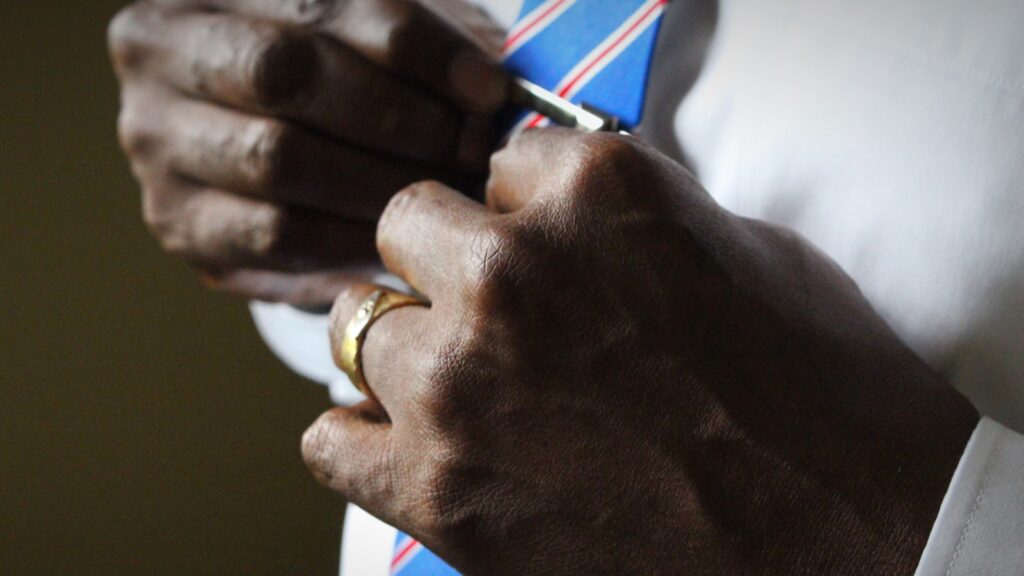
[[268, 135], [615, 375]]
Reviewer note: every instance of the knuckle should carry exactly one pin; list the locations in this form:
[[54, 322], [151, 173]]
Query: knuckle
[[163, 223], [504, 157], [283, 67], [608, 147], [126, 35], [404, 204], [268, 152], [137, 141], [605, 167], [395, 211], [603, 154], [265, 233], [312, 12], [172, 241], [119, 31]]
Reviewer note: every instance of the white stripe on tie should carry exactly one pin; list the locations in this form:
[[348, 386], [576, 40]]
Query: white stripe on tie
[[534, 23]]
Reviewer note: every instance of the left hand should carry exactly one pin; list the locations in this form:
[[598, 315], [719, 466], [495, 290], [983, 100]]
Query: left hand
[[268, 135], [617, 376]]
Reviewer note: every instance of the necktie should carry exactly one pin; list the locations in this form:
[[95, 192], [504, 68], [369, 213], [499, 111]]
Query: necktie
[[596, 52]]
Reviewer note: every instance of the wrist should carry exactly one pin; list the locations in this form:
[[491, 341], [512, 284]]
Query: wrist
[[838, 493], [897, 480]]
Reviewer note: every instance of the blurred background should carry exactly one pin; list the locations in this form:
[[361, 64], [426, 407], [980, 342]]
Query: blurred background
[[144, 427]]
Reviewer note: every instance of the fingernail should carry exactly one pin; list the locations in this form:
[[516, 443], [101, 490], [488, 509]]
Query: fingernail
[[479, 81]]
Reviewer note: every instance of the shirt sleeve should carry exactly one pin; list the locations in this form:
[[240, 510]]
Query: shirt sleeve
[[980, 527]]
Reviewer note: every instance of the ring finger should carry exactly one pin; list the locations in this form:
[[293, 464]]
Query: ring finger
[[394, 350]]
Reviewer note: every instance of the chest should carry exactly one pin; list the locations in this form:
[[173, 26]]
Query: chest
[[892, 136]]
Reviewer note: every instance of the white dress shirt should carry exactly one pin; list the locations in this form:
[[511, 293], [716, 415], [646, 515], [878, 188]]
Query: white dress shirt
[[891, 134]]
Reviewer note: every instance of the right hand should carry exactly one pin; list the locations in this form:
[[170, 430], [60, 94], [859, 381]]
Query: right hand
[[268, 135]]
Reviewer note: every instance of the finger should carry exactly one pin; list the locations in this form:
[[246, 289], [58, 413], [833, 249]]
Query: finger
[[281, 162], [406, 37], [393, 349], [347, 450], [216, 230], [532, 163], [262, 68], [429, 235], [308, 290]]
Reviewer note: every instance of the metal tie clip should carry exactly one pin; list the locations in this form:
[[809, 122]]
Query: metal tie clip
[[528, 95]]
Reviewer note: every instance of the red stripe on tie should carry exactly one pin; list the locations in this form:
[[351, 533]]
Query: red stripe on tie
[[611, 47], [511, 41], [403, 552]]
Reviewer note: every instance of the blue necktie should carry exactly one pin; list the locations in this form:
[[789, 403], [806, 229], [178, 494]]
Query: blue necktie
[[596, 52]]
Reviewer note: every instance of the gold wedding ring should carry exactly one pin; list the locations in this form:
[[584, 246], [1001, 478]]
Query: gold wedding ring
[[350, 358]]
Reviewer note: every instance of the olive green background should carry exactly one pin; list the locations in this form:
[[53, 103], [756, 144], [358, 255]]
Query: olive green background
[[144, 428]]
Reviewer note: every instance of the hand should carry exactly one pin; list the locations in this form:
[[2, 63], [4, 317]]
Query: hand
[[617, 376], [269, 134]]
